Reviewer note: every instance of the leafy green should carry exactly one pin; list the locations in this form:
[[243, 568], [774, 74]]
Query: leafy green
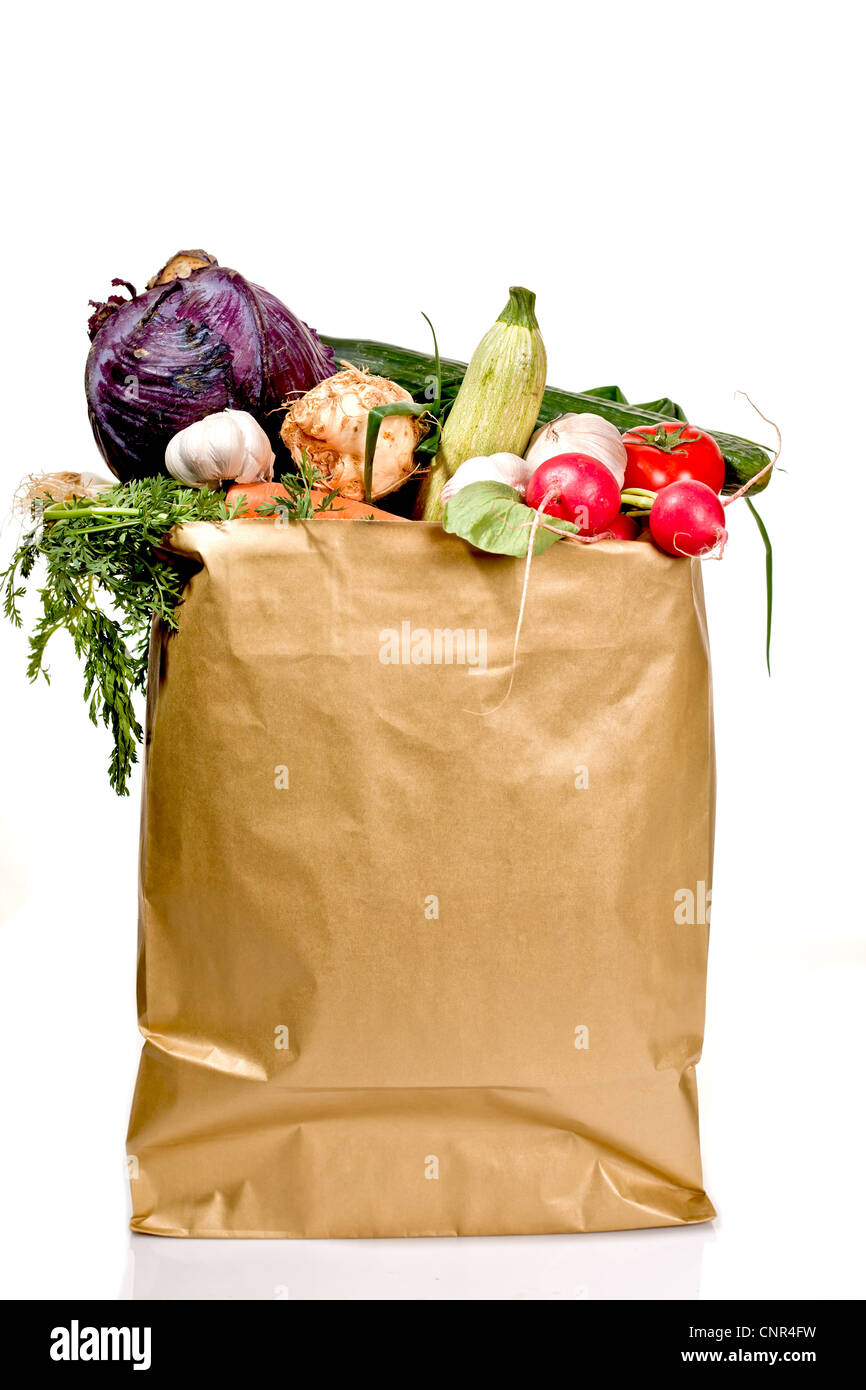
[[375, 419], [768, 551], [664, 406], [106, 578], [492, 517], [99, 553], [298, 503], [378, 415]]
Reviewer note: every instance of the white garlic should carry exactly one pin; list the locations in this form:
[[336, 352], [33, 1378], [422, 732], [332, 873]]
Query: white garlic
[[510, 469], [227, 445], [580, 434]]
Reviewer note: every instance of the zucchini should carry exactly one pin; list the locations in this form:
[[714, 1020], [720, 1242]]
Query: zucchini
[[414, 371], [497, 401]]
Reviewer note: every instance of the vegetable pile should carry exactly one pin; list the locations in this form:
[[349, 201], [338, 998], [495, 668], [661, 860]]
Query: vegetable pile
[[205, 388]]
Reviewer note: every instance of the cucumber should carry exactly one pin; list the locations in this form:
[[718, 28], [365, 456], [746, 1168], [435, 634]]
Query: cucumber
[[414, 371]]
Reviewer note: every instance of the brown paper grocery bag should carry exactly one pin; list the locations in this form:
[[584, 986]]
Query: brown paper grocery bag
[[415, 960]]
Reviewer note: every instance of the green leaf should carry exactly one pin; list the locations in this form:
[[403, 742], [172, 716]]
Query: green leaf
[[375, 419], [664, 406], [607, 393], [436, 403], [492, 517], [378, 414], [768, 550]]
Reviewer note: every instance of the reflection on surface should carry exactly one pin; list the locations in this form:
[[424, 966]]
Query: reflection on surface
[[659, 1264]]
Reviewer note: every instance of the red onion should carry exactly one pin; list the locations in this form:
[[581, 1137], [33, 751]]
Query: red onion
[[201, 338]]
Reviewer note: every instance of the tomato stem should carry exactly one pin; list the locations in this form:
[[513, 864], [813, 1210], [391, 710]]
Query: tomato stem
[[638, 497], [667, 442]]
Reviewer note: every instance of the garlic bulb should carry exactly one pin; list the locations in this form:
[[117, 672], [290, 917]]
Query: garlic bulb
[[329, 426], [493, 468], [580, 434], [227, 445]]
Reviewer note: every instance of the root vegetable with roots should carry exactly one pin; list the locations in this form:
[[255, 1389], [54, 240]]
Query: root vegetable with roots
[[687, 518], [623, 528], [577, 488]]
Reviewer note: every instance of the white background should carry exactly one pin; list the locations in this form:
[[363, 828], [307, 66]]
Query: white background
[[682, 186]]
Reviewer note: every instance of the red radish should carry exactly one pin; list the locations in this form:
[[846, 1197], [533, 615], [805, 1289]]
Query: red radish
[[687, 518], [577, 488], [624, 528]]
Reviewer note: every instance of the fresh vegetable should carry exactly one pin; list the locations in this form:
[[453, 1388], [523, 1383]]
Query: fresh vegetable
[[329, 426], [491, 517], [227, 445], [577, 488], [270, 499], [580, 434], [105, 579], [665, 453], [510, 469], [497, 404], [687, 518], [623, 527], [202, 339], [743, 459]]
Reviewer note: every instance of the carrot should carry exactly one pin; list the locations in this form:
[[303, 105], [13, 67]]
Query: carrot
[[342, 507], [348, 508]]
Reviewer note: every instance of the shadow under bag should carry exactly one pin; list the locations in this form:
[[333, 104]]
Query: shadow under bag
[[420, 955]]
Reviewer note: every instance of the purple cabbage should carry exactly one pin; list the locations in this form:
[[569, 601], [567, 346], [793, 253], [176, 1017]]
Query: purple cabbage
[[181, 350]]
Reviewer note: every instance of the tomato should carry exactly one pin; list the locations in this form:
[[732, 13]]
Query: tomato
[[670, 452]]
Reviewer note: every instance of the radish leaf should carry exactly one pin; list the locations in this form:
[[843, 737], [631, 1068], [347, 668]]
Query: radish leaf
[[492, 517]]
